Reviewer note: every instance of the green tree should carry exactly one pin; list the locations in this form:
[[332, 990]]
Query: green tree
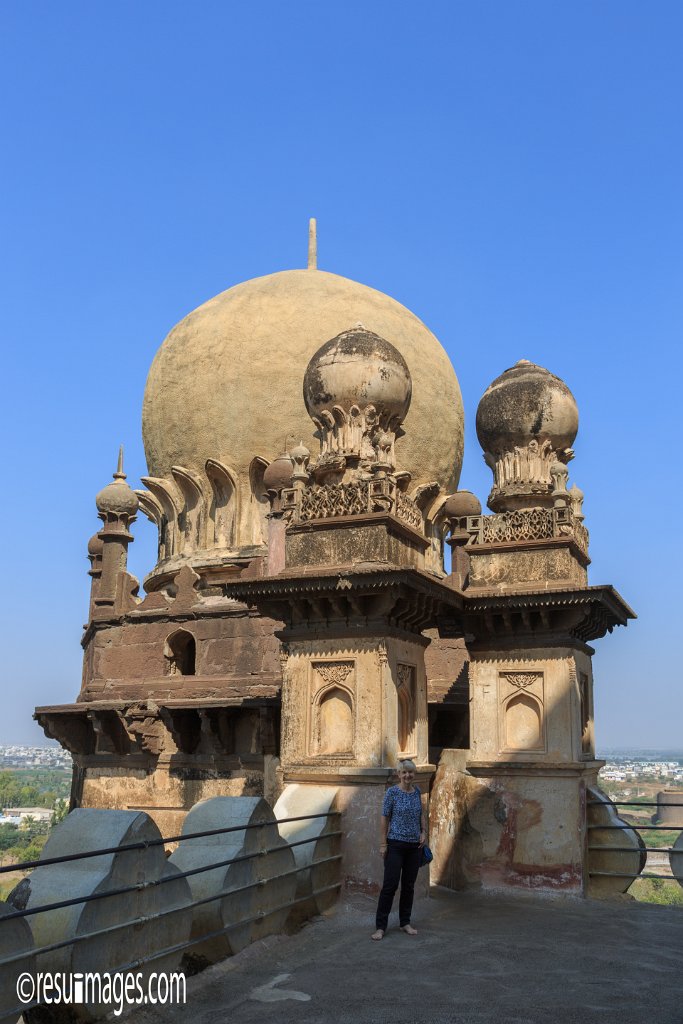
[[60, 812]]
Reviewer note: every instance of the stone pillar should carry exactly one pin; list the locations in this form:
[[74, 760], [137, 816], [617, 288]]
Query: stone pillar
[[532, 748], [350, 709], [117, 506]]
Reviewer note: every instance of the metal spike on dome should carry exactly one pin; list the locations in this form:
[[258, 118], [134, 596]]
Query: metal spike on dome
[[119, 474], [312, 244]]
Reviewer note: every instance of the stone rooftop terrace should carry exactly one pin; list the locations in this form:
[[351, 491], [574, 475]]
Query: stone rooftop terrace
[[478, 959]]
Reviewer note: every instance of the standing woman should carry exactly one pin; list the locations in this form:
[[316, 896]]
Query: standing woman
[[402, 837]]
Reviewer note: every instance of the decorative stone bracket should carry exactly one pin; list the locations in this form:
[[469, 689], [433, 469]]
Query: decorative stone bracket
[[144, 728]]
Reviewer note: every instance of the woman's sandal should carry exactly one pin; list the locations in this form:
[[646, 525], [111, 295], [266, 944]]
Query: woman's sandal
[[376, 936], [408, 929]]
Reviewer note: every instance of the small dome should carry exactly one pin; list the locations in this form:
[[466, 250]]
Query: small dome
[[300, 453], [95, 545], [279, 473], [526, 403], [462, 503], [117, 498], [358, 367]]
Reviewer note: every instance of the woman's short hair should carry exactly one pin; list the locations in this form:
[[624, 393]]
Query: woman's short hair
[[406, 765]]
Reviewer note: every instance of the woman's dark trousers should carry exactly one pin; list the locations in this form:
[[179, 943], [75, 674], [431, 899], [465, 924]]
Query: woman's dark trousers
[[401, 862]]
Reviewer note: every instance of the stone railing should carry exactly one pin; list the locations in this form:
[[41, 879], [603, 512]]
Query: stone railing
[[327, 501], [105, 897], [525, 525]]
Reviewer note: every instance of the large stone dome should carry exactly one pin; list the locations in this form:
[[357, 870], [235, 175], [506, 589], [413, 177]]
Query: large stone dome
[[226, 384]]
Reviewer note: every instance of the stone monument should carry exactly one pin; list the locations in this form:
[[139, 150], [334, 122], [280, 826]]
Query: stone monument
[[300, 630]]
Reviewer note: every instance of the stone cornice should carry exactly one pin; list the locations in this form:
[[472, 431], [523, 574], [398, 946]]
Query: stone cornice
[[550, 616], [364, 600], [533, 768]]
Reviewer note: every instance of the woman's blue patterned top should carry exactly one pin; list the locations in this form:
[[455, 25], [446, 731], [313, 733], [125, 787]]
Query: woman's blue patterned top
[[405, 811]]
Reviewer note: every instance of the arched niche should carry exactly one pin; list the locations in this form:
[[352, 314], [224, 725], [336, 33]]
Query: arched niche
[[523, 723], [334, 721], [180, 650]]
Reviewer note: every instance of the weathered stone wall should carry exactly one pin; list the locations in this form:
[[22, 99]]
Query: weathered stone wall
[[526, 705], [522, 827], [511, 810], [341, 690], [236, 655], [339, 543], [544, 564], [446, 665], [167, 792]]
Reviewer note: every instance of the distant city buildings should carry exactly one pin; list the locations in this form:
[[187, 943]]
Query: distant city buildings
[[16, 756], [22, 816], [637, 770], [624, 768]]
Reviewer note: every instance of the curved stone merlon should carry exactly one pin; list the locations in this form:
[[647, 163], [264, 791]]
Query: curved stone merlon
[[676, 859], [250, 889], [253, 887], [165, 907], [16, 940], [297, 800], [626, 864]]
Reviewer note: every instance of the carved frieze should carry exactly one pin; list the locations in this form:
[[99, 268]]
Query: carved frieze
[[527, 524], [407, 510], [525, 468], [528, 472]]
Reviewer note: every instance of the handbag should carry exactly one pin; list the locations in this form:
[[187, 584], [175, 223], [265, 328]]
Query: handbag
[[426, 856]]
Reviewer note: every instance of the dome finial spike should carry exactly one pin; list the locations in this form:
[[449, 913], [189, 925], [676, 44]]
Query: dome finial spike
[[312, 244], [119, 474]]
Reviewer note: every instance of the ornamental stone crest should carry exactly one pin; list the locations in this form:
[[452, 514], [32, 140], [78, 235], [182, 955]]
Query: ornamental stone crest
[[334, 673], [521, 680], [405, 675]]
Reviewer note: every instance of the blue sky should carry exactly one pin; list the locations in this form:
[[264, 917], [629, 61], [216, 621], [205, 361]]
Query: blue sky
[[511, 171]]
